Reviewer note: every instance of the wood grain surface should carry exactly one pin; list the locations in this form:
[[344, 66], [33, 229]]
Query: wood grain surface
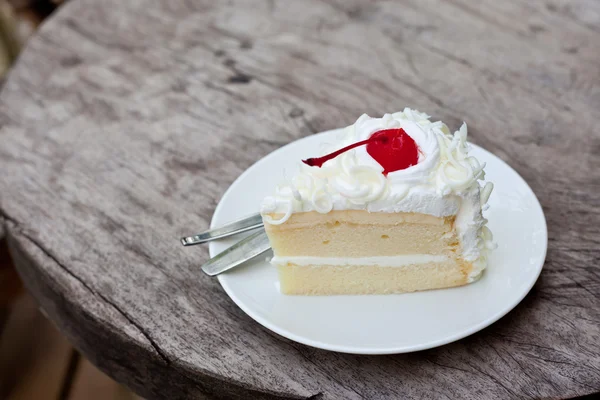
[[124, 122]]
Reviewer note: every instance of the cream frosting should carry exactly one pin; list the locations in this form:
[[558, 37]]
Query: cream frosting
[[444, 182]]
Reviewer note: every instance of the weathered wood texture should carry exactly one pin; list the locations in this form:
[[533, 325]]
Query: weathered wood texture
[[125, 121]]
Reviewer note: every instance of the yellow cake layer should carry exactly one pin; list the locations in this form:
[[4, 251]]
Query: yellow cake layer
[[358, 233], [369, 279]]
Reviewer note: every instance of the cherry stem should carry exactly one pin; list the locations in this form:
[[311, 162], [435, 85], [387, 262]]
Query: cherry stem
[[319, 161]]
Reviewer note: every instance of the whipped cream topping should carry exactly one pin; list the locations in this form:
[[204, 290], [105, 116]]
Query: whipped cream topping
[[444, 182]]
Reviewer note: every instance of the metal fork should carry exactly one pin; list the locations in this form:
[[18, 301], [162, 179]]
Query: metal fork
[[246, 249], [232, 228]]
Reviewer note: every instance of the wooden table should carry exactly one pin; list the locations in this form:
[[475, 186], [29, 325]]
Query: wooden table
[[125, 121]]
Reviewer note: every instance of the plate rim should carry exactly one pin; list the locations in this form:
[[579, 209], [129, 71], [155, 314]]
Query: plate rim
[[371, 350]]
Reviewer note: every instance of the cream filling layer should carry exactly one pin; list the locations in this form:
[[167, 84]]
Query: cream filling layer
[[382, 261]]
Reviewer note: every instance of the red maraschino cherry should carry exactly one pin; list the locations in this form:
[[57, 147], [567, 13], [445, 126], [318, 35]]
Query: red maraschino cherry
[[393, 149]]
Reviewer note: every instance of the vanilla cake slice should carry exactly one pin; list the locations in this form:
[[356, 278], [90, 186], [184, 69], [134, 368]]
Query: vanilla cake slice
[[394, 206]]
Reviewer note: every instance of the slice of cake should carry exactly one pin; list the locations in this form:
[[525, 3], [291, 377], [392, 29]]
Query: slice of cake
[[394, 206]]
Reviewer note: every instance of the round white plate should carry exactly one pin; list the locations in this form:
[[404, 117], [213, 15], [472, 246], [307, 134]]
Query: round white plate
[[387, 324]]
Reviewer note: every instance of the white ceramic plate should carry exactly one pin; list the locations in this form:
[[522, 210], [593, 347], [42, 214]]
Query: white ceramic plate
[[387, 324]]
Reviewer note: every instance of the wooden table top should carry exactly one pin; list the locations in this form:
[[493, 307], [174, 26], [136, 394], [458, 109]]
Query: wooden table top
[[123, 123]]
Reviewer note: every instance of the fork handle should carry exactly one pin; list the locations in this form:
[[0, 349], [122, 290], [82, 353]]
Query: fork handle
[[233, 228]]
